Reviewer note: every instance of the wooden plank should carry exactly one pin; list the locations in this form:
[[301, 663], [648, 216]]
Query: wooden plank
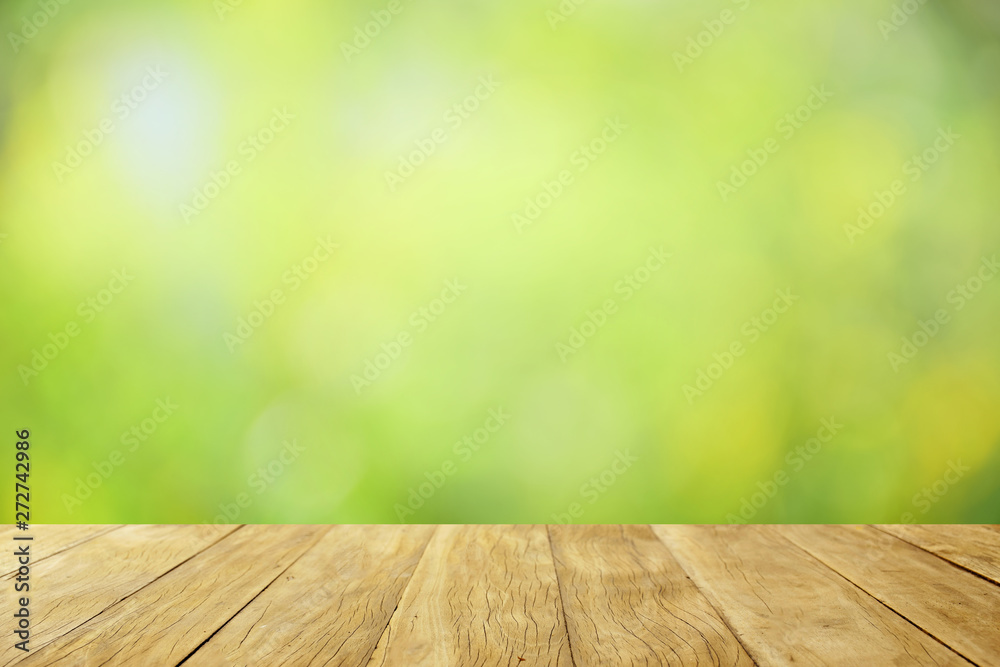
[[49, 539], [786, 608], [330, 608], [627, 601], [976, 548], [957, 608], [75, 585], [168, 619], [481, 595]]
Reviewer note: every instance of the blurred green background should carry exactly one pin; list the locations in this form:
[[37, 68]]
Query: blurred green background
[[606, 435]]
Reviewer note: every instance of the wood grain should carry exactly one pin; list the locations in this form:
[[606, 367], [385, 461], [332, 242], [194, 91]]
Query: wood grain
[[628, 602], [947, 603], [511, 595], [79, 583], [50, 539], [976, 548], [344, 590], [481, 595], [787, 608], [168, 619]]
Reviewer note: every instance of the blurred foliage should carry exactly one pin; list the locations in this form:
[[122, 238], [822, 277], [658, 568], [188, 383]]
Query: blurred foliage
[[228, 67]]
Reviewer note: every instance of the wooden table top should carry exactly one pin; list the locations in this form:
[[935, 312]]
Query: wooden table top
[[509, 595]]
